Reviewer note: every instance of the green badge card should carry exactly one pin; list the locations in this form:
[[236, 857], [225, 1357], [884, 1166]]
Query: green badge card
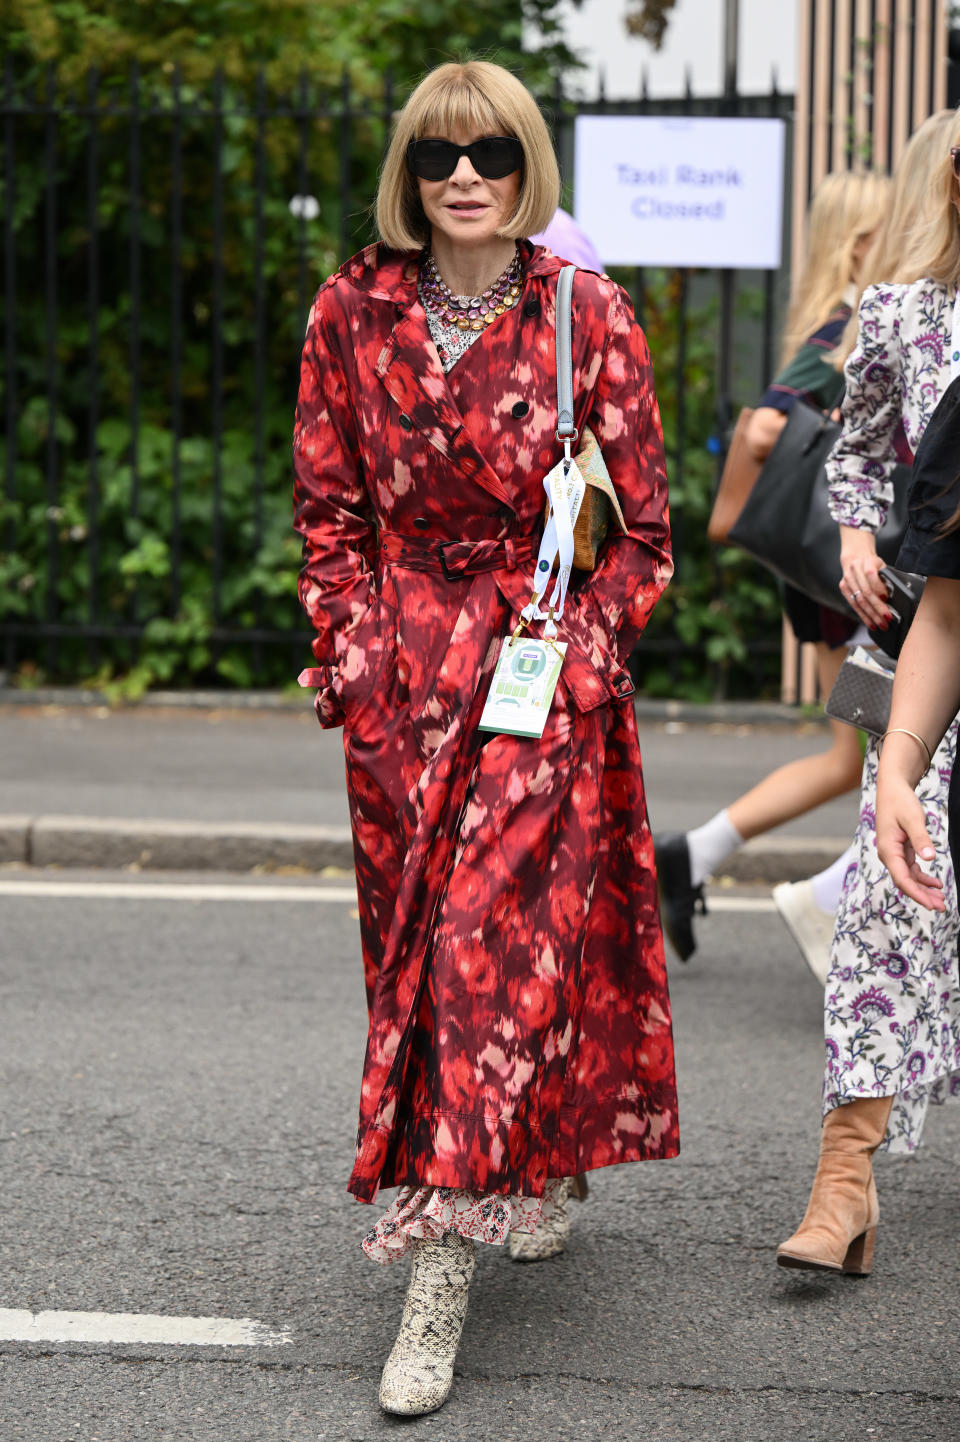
[[522, 688]]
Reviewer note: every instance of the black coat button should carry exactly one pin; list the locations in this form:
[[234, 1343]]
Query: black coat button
[[519, 410], [421, 523], [531, 306], [406, 422]]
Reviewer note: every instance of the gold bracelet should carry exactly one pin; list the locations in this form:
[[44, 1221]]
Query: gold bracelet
[[902, 730]]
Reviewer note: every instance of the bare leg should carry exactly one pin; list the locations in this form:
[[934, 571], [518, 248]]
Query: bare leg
[[686, 859], [802, 785]]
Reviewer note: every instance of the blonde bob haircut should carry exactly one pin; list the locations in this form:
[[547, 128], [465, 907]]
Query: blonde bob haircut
[[846, 208], [476, 97], [915, 203]]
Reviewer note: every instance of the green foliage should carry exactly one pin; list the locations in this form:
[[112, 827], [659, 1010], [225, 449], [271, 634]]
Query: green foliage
[[198, 53], [721, 605], [370, 37], [110, 552]]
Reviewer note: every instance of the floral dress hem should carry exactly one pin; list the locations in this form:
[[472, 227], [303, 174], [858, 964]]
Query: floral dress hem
[[427, 1213], [892, 1003]]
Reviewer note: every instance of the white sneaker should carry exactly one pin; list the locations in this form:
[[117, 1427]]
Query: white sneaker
[[810, 926]]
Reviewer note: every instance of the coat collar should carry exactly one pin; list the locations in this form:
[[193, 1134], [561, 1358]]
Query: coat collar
[[391, 275], [408, 365], [409, 368]]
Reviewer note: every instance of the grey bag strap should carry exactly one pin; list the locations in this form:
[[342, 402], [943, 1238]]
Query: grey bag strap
[[566, 431]]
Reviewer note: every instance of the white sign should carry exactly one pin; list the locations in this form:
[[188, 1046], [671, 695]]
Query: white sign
[[679, 191]]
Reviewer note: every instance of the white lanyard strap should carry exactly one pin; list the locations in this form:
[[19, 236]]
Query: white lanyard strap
[[564, 485], [955, 340]]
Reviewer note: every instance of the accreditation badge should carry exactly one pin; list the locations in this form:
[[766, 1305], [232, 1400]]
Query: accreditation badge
[[521, 692]]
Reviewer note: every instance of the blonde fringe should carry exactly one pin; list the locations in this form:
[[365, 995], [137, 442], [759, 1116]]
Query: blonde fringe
[[474, 96]]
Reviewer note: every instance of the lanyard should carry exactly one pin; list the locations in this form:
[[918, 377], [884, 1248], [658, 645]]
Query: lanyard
[[564, 485], [955, 340], [565, 488]]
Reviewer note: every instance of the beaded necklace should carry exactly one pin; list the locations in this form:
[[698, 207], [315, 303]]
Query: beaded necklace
[[470, 312], [455, 321]]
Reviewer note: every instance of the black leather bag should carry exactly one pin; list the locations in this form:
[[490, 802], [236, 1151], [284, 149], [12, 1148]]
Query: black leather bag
[[786, 522]]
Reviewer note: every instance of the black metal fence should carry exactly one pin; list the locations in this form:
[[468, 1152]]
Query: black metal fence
[[160, 248]]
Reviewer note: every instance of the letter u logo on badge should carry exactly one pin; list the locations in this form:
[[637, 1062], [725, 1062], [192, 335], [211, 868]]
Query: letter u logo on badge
[[528, 663]]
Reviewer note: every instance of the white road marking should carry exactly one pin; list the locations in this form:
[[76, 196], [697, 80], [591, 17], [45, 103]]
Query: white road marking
[[116, 1327], [740, 903], [177, 891], [246, 891]]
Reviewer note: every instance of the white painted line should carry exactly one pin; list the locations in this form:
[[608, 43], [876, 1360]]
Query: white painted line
[[118, 1327], [740, 903], [246, 891], [177, 891]]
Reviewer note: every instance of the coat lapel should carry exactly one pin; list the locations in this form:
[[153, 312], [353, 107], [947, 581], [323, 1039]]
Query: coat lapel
[[410, 369]]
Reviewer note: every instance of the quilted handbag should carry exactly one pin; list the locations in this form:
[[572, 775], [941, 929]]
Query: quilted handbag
[[861, 693]]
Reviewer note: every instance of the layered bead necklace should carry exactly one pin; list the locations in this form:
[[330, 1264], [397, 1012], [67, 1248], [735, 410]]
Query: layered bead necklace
[[455, 321]]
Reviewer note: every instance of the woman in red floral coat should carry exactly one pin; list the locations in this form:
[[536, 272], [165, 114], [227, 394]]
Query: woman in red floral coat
[[519, 1021]]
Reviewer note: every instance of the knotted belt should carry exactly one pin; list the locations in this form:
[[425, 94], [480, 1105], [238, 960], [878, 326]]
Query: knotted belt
[[455, 558]]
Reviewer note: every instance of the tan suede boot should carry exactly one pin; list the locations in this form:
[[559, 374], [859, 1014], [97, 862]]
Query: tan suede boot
[[839, 1229]]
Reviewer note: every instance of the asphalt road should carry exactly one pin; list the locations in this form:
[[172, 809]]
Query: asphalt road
[[279, 766], [179, 1087]]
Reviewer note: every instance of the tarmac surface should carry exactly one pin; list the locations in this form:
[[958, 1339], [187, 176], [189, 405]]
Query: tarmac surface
[[182, 1050], [239, 788], [180, 1081]]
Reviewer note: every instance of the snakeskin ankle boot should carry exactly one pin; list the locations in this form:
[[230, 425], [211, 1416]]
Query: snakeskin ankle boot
[[419, 1371], [551, 1236]]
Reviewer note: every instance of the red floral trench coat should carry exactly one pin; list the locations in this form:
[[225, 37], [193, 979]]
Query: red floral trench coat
[[519, 1021]]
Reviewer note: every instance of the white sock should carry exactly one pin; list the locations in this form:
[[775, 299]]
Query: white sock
[[827, 885], [710, 844]]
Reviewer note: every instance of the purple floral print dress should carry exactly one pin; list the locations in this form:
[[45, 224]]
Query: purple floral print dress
[[892, 1003]]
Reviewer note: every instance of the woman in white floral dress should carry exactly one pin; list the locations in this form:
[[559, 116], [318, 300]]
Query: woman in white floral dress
[[892, 1004]]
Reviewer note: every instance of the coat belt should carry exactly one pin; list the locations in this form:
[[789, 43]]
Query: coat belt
[[456, 558]]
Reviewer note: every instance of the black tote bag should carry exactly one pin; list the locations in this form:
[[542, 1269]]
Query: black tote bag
[[786, 522]]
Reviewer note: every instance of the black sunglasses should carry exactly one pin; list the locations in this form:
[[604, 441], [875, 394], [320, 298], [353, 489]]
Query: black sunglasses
[[955, 159], [493, 157]]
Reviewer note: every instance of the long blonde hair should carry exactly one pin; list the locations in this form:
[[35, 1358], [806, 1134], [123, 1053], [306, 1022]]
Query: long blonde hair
[[917, 206], [846, 207]]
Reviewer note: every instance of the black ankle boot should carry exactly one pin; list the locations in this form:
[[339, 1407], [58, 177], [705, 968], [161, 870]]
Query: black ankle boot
[[679, 898]]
